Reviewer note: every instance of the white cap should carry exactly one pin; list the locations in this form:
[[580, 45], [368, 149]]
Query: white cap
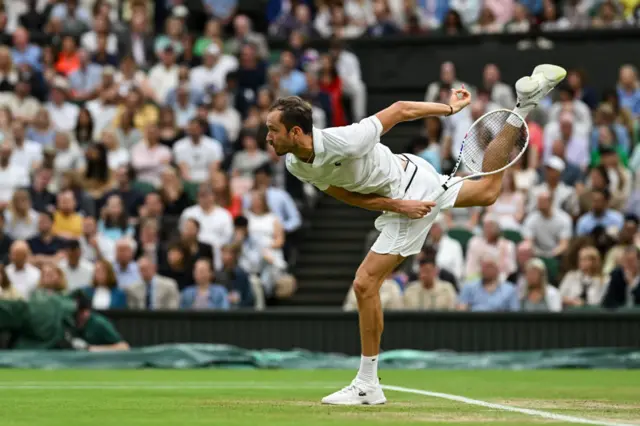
[[212, 49], [555, 163], [180, 11]]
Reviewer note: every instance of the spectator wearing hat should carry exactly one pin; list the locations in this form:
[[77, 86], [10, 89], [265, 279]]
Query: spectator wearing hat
[[214, 69], [164, 75], [600, 215], [548, 229], [490, 242], [64, 115], [489, 293], [564, 197], [78, 271], [429, 292]]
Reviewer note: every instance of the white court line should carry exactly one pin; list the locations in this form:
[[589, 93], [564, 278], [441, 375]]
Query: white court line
[[527, 411], [159, 386]]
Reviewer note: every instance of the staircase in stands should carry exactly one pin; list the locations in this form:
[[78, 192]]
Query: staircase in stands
[[333, 245]]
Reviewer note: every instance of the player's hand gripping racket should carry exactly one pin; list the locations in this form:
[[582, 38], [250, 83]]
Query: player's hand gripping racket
[[493, 143]]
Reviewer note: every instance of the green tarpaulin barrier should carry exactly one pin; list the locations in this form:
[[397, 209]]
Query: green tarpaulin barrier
[[181, 356]]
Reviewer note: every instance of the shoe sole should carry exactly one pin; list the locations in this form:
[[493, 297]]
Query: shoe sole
[[378, 402], [553, 74]]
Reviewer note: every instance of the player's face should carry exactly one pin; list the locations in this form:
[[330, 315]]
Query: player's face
[[277, 136]]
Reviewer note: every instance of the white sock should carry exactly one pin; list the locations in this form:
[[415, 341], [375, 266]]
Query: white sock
[[514, 120], [368, 372], [523, 111]]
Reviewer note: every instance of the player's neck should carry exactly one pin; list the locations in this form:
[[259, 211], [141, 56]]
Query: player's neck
[[303, 150]]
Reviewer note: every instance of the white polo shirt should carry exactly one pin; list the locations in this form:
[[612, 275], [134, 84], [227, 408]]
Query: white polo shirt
[[27, 155], [198, 157], [352, 158], [25, 280]]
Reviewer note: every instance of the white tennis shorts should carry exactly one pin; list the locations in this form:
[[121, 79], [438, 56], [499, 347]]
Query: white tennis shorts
[[404, 236]]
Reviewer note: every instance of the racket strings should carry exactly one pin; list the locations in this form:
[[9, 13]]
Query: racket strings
[[493, 142]]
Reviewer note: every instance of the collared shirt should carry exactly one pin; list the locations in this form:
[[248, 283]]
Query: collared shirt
[[478, 299], [86, 79], [127, 276], [31, 55], [610, 219], [78, 277], [198, 157], [24, 280], [442, 296], [64, 117]]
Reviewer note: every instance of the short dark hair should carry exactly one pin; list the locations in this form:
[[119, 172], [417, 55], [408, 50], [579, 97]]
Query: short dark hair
[[294, 112], [429, 254]]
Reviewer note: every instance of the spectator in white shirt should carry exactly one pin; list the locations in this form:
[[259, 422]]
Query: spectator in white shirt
[[449, 251], [26, 154], [24, 276], [103, 110], [216, 223], [11, 177], [116, 154], [164, 75], [21, 220], [349, 71], [78, 271], [68, 156], [94, 245], [214, 69], [195, 154], [22, 105], [89, 40], [225, 115], [63, 114], [149, 157]]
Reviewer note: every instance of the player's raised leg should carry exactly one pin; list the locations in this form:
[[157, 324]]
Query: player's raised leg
[[365, 388], [530, 90]]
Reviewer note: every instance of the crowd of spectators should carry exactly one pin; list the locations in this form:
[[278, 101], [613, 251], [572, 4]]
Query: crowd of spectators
[[564, 231], [348, 19]]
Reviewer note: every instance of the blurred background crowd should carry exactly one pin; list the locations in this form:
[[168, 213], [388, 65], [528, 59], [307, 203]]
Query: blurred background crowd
[[133, 163]]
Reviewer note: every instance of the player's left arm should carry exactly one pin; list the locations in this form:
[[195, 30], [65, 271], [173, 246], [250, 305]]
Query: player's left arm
[[408, 111], [413, 209]]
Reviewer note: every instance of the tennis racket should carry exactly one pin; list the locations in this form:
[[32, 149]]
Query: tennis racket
[[503, 127]]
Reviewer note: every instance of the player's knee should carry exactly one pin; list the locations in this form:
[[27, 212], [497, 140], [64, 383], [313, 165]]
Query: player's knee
[[364, 287]]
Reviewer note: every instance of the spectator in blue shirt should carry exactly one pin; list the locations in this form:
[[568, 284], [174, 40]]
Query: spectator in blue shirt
[[85, 80], [600, 214], [629, 89], [24, 52], [278, 200], [489, 294], [125, 268], [292, 80], [104, 292], [204, 294]]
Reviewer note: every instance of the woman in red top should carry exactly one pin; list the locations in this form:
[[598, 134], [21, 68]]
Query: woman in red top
[[68, 59], [222, 190], [331, 84]]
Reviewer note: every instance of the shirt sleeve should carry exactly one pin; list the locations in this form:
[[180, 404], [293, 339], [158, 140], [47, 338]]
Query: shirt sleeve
[[465, 295], [352, 141]]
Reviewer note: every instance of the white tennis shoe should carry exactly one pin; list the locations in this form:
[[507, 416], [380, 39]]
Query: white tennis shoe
[[532, 89], [357, 393]]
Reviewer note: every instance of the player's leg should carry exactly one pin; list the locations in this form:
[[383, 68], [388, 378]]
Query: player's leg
[[530, 90], [365, 389]]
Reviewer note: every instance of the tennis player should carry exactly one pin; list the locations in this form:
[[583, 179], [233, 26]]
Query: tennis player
[[351, 165]]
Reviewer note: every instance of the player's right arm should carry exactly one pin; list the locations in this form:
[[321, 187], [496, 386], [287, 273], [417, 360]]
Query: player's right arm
[[408, 111], [413, 209]]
